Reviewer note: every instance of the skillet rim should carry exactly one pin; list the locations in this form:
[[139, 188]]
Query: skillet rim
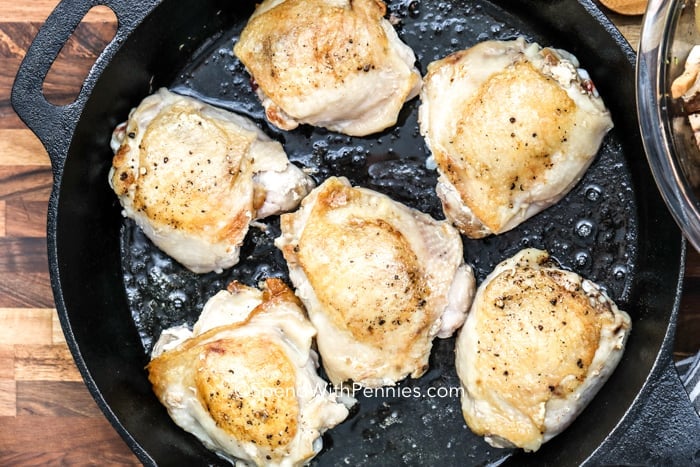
[[56, 278]]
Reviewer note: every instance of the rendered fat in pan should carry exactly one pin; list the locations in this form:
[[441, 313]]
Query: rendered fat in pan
[[115, 292]]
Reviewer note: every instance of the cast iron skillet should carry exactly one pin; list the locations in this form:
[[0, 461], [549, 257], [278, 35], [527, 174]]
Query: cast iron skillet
[[114, 292]]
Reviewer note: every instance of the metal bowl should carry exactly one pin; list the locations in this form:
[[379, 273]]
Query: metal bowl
[[669, 31]]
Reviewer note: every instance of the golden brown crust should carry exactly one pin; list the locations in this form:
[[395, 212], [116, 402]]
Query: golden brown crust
[[538, 343], [337, 64], [513, 127], [276, 290], [176, 186], [320, 40], [247, 386], [539, 322], [193, 176], [368, 251], [379, 280], [505, 139], [246, 383], [124, 176]]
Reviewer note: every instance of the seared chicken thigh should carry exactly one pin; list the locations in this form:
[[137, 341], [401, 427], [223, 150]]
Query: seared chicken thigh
[[336, 64], [379, 280], [538, 344], [512, 128], [245, 381], [193, 177]]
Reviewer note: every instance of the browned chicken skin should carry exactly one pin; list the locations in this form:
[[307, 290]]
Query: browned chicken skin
[[244, 379], [193, 177], [512, 128], [379, 280], [336, 64], [538, 344]]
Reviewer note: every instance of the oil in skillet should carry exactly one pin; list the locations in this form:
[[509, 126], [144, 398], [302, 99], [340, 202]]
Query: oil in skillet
[[591, 231]]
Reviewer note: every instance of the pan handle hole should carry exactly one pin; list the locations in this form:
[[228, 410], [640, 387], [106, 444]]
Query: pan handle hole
[[67, 73]]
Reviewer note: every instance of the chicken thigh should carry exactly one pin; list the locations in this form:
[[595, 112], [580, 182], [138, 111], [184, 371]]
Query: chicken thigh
[[245, 382], [512, 127], [538, 344], [379, 280], [193, 177], [336, 64]]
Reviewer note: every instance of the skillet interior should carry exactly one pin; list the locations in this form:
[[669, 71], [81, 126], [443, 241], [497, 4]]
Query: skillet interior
[[612, 228]]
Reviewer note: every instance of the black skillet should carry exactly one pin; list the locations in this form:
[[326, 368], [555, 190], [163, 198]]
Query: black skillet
[[114, 292]]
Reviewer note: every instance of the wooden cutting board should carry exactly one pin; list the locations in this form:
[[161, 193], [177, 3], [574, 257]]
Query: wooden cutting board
[[47, 416]]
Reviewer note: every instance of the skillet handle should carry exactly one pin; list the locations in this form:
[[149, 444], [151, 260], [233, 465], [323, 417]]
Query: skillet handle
[[54, 124], [662, 427]]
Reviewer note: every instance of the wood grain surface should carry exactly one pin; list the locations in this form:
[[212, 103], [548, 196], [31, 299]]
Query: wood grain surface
[[47, 416]]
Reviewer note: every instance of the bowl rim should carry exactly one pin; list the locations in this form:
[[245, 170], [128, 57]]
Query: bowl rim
[[653, 108]]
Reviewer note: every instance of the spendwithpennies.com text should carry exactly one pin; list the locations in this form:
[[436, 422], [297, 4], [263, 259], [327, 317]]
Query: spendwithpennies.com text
[[356, 389]]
